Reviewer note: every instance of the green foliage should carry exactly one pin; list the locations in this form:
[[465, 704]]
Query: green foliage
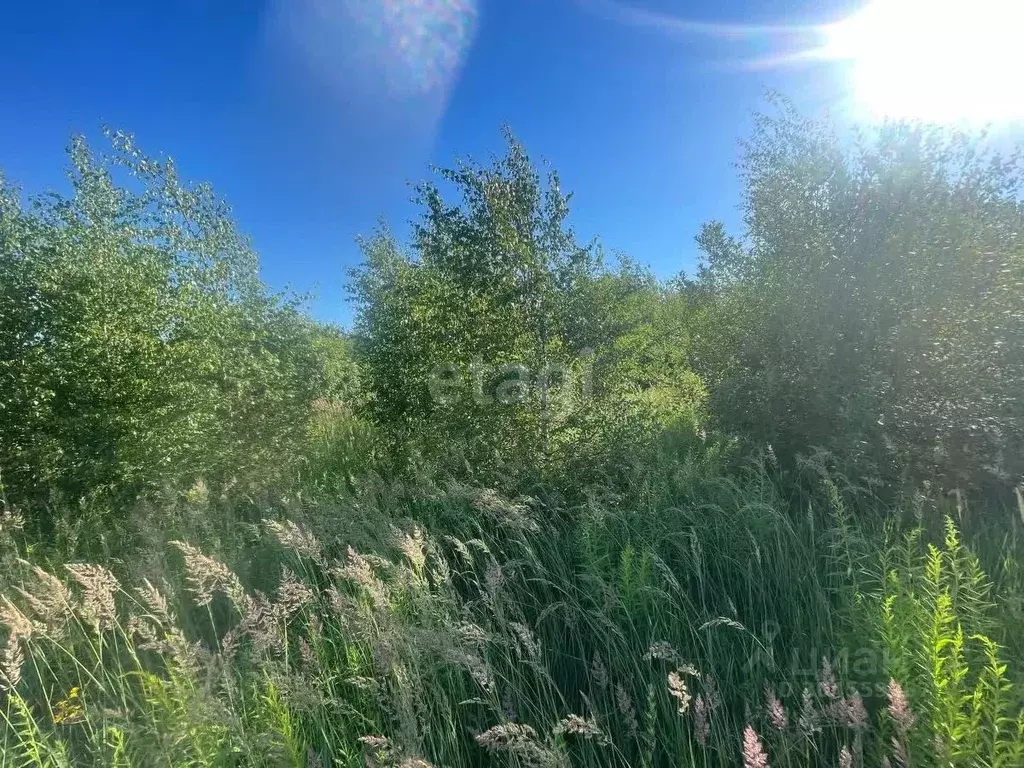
[[873, 306], [935, 620], [492, 525], [137, 345], [500, 338]]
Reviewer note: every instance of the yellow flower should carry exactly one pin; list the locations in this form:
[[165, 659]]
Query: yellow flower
[[69, 710]]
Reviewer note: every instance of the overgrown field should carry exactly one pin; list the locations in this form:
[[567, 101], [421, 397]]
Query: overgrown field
[[538, 508]]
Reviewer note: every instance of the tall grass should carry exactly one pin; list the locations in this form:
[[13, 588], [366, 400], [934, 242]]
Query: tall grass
[[678, 614]]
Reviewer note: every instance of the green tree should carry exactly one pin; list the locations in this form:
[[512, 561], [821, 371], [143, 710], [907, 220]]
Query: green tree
[[137, 343], [873, 306], [496, 333]]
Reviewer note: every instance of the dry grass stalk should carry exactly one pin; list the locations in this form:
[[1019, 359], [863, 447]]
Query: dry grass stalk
[[624, 703], [98, 589], [677, 690], [155, 601], [776, 712], [519, 741], [296, 538], [19, 630], [414, 546], [827, 681], [526, 641], [206, 577], [359, 570], [598, 671], [856, 712], [51, 601], [701, 725], [292, 594], [809, 723], [584, 727], [261, 622], [899, 708], [504, 512], [662, 651], [754, 755]]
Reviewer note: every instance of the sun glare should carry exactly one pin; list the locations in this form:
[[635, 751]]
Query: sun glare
[[936, 60]]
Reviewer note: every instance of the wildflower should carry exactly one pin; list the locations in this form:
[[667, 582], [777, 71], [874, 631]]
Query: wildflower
[[678, 690], [577, 725], [701, 726], [845, 758], [899, 708], [754, 755], [776, 712], [296, 538], [69, 710], [98, 588]]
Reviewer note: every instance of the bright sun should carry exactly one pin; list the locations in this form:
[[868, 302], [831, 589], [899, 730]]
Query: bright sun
[[936, 60]]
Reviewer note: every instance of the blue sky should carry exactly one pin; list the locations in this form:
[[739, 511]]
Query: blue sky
[[310, 116]]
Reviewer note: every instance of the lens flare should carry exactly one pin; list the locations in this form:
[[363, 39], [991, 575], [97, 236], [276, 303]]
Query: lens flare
[[939, 60], [950, 61], [413, 48], [421, 42]]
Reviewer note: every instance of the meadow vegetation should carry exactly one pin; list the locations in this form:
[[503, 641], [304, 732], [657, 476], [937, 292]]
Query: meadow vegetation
[[537, 507]]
